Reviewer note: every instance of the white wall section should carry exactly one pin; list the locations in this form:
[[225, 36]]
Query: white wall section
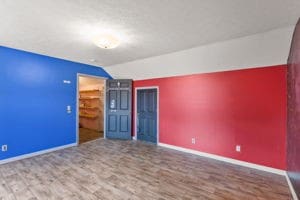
[[264, 49]]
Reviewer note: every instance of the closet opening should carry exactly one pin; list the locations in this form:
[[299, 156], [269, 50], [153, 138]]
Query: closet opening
[[90, 107]]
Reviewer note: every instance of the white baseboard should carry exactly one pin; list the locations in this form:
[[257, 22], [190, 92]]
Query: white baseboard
[[36, 153], [294, 195], [224, 159]]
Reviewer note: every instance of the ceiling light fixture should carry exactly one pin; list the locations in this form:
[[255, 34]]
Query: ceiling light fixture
[[106, 41]]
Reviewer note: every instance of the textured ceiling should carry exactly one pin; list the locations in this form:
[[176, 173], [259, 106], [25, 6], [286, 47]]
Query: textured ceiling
[[63, 28]]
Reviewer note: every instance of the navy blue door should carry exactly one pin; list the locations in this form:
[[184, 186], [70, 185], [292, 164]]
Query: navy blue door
[[147, 115], [118, 109]]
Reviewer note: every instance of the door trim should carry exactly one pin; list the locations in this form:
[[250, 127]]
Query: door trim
[[157, 111], [77, 103]]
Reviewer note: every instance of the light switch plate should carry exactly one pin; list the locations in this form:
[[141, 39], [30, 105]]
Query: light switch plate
[[4, 147]]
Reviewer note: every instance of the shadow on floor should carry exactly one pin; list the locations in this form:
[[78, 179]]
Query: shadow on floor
[[86, 135]]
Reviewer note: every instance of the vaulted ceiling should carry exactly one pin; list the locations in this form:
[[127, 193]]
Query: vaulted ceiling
[[63, 28]]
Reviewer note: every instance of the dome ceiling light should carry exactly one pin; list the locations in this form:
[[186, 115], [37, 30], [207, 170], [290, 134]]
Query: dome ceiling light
[[106, 41]]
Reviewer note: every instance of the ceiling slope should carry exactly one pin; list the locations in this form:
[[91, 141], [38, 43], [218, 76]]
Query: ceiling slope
[[62, 28], [259, 50]]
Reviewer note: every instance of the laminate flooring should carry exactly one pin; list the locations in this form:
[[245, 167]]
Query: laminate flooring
[[113, 169]]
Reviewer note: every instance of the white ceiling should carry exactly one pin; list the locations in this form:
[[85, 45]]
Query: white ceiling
[[62, 28]]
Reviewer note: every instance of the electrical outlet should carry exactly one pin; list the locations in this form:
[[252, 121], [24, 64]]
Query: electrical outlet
[[238, 148], [193, 141], [4, 147]]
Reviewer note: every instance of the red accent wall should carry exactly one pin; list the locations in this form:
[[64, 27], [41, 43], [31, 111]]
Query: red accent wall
[[225, 109], [293, 131]]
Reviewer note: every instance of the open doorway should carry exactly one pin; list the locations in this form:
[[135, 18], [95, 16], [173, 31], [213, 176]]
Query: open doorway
[[91, 91]]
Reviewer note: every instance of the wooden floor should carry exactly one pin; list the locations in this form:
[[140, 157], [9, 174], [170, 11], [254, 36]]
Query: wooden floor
[[106, 169], [86, 135]]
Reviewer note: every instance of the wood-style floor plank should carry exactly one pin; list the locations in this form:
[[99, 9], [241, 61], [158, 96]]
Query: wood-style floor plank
[[112, 169]]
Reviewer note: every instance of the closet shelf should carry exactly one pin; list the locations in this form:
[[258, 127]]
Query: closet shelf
[[88, 107], [90, 116], [89, 98], [87, 91]]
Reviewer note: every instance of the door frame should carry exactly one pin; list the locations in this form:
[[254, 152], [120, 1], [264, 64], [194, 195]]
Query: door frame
[[157, 110], [77, 103]]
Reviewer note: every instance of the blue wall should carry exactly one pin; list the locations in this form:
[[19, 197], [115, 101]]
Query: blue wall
[[33, 100]]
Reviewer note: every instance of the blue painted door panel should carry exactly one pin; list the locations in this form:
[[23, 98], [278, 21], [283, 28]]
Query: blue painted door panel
[[34, 99], [118, 109], [147, 115]]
